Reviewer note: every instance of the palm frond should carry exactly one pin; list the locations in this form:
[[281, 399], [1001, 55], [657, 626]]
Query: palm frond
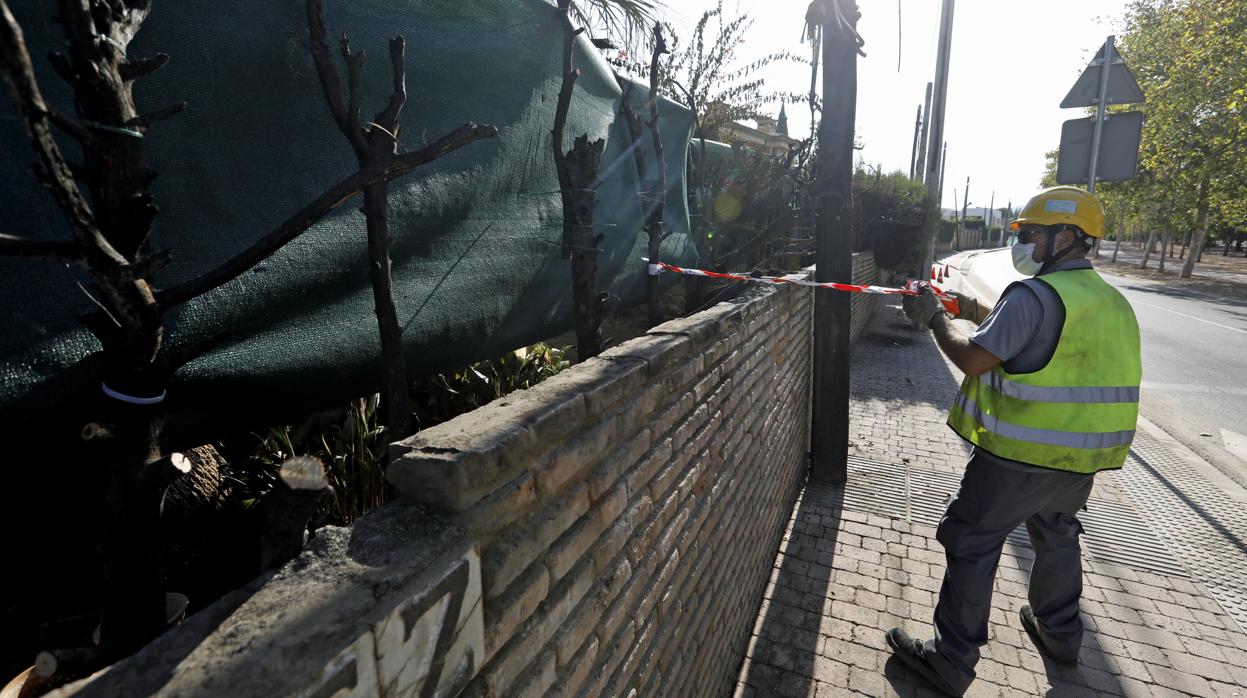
[[628, 22]]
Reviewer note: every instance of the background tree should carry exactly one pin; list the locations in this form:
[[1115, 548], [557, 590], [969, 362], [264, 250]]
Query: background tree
[[704, 73], [1188, 58], [619, 23]]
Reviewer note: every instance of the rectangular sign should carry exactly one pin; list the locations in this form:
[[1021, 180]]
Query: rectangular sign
[[1119, 148]]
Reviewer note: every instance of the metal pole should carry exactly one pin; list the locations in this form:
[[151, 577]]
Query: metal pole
[[1106, 64], [940, 192], [922, 144], [934, 176], [991, 216], [1009, 207], [829, 432], [964, 204], [913, 154]]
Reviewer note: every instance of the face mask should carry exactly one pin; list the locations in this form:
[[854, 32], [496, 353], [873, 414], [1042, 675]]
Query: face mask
[[1023, 261]]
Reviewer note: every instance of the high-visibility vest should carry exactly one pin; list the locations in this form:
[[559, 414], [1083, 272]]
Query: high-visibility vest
[[1078, 412]]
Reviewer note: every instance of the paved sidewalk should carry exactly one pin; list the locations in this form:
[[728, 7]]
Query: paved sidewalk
[[1165, 556]]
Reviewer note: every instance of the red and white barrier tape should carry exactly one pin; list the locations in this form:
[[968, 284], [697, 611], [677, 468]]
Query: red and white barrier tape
[[911, 288]]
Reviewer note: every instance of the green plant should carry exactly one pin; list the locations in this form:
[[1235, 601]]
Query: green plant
[[891, 218], [352, 445], [446, 395], [354, 451], [348, 441]]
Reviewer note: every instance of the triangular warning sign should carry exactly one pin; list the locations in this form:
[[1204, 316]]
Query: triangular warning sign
[[1122, 88]]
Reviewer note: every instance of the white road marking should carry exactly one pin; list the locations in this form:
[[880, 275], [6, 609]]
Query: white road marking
[[1192, 388], [1191, 317]]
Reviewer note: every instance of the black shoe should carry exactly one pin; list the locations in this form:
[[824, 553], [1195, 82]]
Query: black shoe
[[909, 651], [1032, 629]]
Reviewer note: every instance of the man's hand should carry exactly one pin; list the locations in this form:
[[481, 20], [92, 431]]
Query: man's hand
[[923, 307], [969, 307]]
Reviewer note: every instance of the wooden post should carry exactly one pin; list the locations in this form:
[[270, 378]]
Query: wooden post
[[577, 171], [829, 433]]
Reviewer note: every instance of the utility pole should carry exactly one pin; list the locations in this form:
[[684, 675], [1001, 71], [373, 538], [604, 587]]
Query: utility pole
[[964, 203], [940, 192], [1009, 208], [935, 165], [829, 432], [956, 220], [922, 144], [913, 154], [991, 217]]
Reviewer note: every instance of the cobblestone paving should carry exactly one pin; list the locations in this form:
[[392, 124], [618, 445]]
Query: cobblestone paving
[[842, 576]]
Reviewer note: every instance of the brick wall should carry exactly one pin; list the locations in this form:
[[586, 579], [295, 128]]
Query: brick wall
[[862, 305], [611, 529], [628, 510]]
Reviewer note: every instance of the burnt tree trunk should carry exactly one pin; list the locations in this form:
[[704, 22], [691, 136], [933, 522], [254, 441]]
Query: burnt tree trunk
[[374, 148], [577, 171], [110, 240], [397, 399], [583, 161], [656, 188]]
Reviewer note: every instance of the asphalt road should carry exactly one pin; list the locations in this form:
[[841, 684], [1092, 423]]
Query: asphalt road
[[1194, 368]]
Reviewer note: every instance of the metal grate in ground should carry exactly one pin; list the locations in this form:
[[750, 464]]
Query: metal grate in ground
[[1114, 531], [1206, 528]]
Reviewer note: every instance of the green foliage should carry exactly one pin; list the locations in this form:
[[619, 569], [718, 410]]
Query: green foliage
[[749, 208], [1188, 57], [626, 22], [891, 218], [445, 395], [348, 441], [352, 444], [1050, 159], [705, 75]]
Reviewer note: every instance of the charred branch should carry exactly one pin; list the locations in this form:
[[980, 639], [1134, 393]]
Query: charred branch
[[354, 88], [141, 68], [51, 250], [563, 105], [388, 117], [33, 116], [75, 130], [145, 121]]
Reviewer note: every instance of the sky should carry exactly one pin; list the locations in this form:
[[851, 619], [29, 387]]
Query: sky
[[1012, 62]]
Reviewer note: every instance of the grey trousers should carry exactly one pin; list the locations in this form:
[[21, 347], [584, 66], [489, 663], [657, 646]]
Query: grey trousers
[[994, 498]]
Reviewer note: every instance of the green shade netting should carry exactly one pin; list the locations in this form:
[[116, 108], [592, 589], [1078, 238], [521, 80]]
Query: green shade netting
[[476, 235]]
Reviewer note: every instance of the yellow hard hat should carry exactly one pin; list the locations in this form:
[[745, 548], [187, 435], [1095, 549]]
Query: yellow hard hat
[[1064, 206]]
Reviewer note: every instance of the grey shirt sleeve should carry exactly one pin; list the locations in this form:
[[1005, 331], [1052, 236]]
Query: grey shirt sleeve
[[1012, 324]]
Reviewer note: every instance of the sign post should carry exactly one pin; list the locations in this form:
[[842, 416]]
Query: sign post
[[1112, 153]]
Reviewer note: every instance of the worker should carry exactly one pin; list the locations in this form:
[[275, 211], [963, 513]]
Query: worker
[[1049, 399]]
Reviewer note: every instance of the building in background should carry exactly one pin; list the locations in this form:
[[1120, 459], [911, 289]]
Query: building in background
[[770, 135]]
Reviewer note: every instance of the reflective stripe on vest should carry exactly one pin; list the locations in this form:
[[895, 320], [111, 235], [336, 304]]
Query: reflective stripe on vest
[[1068, 439], [1040, 393], [1077, 413]]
